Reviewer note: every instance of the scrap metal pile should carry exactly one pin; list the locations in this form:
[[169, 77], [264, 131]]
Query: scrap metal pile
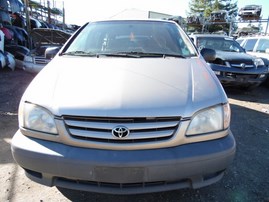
[[17, 45]]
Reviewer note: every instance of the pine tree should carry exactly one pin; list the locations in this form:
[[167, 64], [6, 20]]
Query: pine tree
[[206, 7]]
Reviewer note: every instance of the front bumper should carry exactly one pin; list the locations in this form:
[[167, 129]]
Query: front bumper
[[249, 13], [32, 67], [37, 66], [237, 76], [123, 172]]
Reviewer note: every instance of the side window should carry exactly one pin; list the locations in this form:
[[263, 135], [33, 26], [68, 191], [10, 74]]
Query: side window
[[240, 41], [262, 45], [250, 43]]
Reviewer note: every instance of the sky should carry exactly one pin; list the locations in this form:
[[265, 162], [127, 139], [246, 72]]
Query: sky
[[82, 11]]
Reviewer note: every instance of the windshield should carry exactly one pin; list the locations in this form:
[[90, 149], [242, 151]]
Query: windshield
[[144, 38], [219, 43]]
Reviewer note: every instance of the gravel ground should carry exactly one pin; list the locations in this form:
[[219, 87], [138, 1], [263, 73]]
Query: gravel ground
[[247, 179]]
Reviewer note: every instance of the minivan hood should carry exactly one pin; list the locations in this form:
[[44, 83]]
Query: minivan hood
[[125, 87]]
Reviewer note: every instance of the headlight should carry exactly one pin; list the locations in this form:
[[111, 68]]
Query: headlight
[[213, 119], [28, 58], [258, 62], [36, 118]]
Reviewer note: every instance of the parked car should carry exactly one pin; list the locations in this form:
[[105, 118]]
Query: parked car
[[16, 36], [219, 16], [232, 65], [35, 23], [126, 106], [249, 12], [7, 60], [46, 43], [195, 20], [245, 31], [19, 52], [255, 45]]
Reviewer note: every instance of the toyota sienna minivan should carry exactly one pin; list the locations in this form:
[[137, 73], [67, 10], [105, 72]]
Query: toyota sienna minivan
[[125, 107]]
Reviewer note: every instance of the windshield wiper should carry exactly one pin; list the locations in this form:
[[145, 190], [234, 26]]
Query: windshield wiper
[[79, 53], [138, 54], [145, 54], [120, 54], [173, 55]]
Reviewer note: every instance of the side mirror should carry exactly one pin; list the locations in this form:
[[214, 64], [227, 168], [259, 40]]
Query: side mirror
[[267, 50], [51, 52], [208, 54]]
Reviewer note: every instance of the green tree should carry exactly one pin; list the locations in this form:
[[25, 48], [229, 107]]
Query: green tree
[[206, 7]]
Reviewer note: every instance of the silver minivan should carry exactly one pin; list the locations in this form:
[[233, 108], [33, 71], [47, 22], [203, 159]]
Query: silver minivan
[[125, 107]]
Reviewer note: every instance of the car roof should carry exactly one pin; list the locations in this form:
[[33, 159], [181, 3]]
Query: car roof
[[211, 35], [251, 5], [253, 37]]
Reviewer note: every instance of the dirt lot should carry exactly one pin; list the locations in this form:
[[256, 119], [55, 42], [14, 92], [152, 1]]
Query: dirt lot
[[247, 179]]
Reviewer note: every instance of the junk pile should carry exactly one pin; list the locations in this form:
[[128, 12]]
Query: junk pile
[[17, 47]]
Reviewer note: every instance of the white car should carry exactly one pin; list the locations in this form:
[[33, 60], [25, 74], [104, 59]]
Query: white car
[[250, 12], [255, 45]]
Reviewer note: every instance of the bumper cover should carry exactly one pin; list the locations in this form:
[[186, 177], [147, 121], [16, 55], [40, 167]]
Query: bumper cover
[[34, 67], [123, 172], [237, 76]]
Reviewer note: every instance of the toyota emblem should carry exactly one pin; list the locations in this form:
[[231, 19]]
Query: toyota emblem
[[243, 65], [120, 132]]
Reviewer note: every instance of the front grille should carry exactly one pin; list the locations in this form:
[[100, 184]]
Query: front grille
[[41, 60], [138, 187], [241, 76], [245, 65], [184, 182], [141, 129]]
